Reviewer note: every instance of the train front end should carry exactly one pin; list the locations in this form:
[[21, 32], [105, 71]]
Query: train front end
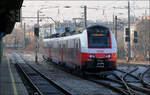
[[98, 49]]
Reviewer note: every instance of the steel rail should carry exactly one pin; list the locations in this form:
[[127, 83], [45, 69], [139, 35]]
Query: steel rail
[[123, 82], [29, 79], [141, 76], [46, 78], [118, 89], [122, 78], [128, 74], [37, 84], [144, 90]]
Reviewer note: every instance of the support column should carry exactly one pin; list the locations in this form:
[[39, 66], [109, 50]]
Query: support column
[[1, 50]]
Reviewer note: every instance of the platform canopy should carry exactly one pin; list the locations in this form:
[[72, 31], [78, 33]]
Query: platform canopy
[[8, 15]]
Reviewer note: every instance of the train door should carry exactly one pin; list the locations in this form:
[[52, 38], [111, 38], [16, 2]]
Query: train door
[[49, 48], [63, 51], [76, 52], [59, 49], [79, 52], [72, 51], [66, 51]]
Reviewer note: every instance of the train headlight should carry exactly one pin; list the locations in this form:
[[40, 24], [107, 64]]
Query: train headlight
[[108, 56], [92, 56]]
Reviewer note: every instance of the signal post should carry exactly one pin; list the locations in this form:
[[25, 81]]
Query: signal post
[[36, 33]]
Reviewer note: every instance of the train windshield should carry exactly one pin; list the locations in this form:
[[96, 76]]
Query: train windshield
[[98, 37]]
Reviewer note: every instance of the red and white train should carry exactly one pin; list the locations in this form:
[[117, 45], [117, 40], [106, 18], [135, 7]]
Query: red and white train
[[94, 49]]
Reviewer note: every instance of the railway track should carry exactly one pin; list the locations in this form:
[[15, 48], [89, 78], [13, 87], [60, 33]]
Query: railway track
[[120, 83], [139, 77], [108, 83], [121, 91], [41, 84], [135, 86]]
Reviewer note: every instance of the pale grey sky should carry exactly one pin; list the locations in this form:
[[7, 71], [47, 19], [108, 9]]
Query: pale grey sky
[[104, 12]]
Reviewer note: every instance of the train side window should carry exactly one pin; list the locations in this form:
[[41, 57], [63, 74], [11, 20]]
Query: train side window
[[79, 44], [77, 48], [68, 48], [59, 48], [64, 48], [49, 44], [63, 45], [74, 48]]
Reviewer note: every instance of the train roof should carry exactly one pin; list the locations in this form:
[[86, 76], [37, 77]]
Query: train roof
[[63, 38], [97, 25], [75, 32], [64, 33]]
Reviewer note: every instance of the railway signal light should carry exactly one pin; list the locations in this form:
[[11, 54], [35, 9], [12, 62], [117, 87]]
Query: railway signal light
[[127, 35], [36, 30], [135, 40], [127, 32], [127, 39]]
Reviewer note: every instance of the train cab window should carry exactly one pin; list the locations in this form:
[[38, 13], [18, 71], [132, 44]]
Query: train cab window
[[98, 37]]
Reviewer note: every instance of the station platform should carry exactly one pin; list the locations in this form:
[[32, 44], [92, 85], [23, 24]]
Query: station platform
[[10, 81]]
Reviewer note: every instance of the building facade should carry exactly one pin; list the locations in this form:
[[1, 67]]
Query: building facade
[[140, 49]]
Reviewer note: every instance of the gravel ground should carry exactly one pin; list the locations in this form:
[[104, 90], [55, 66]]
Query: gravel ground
[[79, 86], [72, 83]]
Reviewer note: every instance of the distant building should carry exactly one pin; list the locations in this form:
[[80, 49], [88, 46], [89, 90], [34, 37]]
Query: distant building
[[132, 30], [142, 47]]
